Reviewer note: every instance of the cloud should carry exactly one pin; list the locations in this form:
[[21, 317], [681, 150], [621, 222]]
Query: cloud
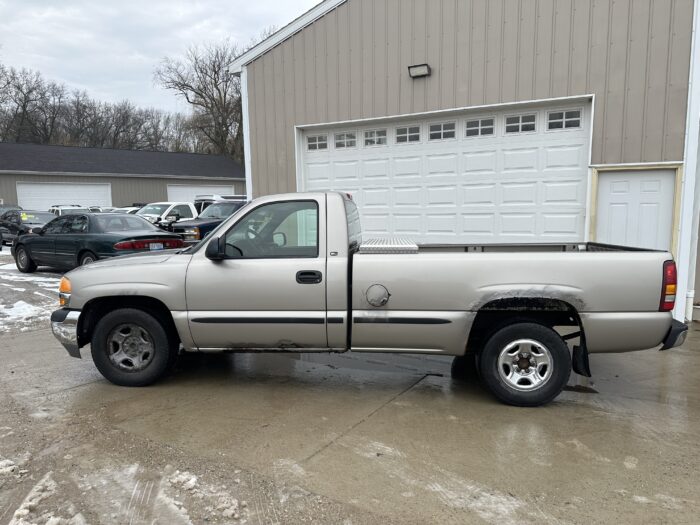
[[111, 48]]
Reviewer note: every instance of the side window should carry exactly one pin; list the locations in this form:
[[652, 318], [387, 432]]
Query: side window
[[55, 226], [184, 211], [78, 224], [276, 230]]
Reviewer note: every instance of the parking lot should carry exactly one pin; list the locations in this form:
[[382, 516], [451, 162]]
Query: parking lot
[[333, 439]]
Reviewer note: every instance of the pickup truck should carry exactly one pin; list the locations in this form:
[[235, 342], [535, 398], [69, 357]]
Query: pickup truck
[[292, 273]]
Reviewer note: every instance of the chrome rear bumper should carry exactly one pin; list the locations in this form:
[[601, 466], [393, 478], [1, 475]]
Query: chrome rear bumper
[[64, 325]]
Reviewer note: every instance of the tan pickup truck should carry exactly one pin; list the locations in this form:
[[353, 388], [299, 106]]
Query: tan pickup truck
[[292, 273]]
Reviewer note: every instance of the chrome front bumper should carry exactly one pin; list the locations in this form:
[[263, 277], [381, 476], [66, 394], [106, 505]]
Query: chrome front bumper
[[64, 325]]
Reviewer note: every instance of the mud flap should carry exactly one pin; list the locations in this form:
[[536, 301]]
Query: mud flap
[[579, 361]]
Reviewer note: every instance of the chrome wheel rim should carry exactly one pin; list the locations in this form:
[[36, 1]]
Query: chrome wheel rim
[[22, 258], [130, 347], [87, 260], [525, 365]]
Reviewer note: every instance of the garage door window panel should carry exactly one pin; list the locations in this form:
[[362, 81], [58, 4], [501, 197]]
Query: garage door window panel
[[345, 140], [443, 131], [317, 142], [407, 134], [276, 231], [521, 123], [564, 119], [480, 127], [375, 137]]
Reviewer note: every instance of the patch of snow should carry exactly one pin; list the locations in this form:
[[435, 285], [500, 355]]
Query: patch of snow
[[45, 488], [631, 462], [641, 499], [7, 467]]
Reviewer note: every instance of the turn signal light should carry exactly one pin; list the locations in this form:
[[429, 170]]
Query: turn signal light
[[64, 291], [668, 289]]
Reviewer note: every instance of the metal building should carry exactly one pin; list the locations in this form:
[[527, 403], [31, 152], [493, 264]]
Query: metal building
[[37, 177], [487, 121]]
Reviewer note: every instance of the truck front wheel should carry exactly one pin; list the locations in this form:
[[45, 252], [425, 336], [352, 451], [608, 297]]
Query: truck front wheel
[[525, 364], [130, 347]]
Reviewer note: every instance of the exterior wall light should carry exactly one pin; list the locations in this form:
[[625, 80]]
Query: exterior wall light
[[419, 70]]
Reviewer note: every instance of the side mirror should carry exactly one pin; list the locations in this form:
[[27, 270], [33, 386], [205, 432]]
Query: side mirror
[[215, 250], [38, 230], [280, 239]]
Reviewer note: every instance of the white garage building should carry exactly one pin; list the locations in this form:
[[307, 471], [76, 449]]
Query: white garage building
[[474, 121], [37, 177]]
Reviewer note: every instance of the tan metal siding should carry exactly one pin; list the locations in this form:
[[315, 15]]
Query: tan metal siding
[[352, 63], [125, 191]]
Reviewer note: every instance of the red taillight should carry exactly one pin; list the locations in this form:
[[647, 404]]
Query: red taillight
[[668, 289], [145, 244]]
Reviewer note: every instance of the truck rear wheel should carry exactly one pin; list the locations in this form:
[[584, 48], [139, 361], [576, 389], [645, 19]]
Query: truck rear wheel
[[131, 348], [525, 364]]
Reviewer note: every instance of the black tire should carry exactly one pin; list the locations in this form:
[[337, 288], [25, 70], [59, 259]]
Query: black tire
[[465, 368], [522, 388], [113, 326], [87, 258], [24, 262]]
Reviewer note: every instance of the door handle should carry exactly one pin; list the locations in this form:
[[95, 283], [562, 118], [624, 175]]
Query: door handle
[[309, 277]]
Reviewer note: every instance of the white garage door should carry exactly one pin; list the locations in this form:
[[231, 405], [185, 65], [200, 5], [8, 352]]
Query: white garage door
[[517, 175], [187, 193], [635, 208], [43, 195]]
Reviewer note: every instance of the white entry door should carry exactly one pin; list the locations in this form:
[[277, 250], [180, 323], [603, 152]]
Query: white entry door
[[635, 208]]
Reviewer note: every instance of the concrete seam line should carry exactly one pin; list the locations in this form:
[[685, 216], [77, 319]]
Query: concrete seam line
[[352, 427]]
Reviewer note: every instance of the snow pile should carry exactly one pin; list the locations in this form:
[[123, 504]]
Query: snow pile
[[223, 502], [42, 490], [7, 467]]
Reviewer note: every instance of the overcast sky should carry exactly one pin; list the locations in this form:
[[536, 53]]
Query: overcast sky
[[111, 47]]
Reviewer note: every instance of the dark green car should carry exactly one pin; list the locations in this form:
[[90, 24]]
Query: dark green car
[[73, 240]]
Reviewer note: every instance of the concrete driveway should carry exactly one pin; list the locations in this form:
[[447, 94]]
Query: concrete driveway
[[342, 439]]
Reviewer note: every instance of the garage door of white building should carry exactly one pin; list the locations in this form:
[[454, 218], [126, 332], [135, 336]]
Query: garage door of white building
[[43, 195], [187, 192], [500, 175]]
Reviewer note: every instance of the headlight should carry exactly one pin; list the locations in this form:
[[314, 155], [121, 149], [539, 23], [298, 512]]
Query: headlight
[[191, 233], [64, 291]]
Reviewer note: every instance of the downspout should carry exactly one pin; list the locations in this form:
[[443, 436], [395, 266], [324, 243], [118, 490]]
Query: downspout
[[246, 134], [688, 227], [690, 295]]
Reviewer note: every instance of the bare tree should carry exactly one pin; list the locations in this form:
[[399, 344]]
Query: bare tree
[[203, 79]]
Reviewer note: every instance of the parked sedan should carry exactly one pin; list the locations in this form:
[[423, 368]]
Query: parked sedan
[[74, 240], [14, 223]]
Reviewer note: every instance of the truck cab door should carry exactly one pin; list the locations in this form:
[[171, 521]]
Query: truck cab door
[[269, 290]]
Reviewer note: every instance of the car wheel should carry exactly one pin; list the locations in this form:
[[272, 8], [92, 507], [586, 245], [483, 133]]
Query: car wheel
[[132, 348], [87, 258], [24, 262], [525, 364]]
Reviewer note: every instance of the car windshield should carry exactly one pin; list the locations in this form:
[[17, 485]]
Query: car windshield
[[36, 217], [220, 210], [109, 223], [153, 209]]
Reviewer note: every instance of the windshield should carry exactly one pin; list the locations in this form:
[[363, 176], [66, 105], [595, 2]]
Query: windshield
[[38, 217], [153, 209], [220, 210], [122, 222]]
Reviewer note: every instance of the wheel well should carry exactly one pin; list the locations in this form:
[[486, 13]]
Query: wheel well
[[95, 309], [502, 312]]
